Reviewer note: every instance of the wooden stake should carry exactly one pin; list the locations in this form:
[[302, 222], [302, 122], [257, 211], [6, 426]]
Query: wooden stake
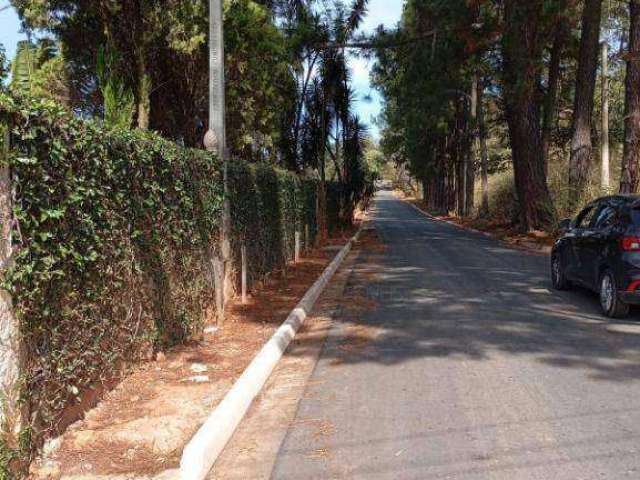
[[307, 239], [244, 274], [218, 278], [296, 257]]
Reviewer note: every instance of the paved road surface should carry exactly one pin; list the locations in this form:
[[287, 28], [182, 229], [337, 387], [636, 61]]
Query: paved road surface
[[475, 370]]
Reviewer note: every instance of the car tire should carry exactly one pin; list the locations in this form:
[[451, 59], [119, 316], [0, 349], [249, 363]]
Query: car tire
[[610, 302], [558, 276]]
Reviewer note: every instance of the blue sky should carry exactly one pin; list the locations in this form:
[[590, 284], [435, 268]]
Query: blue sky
[[9, 29], [386, 12], [380, 12]]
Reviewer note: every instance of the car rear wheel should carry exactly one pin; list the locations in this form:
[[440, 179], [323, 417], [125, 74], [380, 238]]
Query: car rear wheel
[[558, 277], [610, 302]]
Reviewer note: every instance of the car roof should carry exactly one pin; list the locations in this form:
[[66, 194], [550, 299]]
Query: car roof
[[633, 199]]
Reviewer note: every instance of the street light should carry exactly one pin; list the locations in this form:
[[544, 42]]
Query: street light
[[215, 141]]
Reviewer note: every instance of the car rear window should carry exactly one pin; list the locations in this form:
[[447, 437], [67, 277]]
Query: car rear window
[[635, 216]]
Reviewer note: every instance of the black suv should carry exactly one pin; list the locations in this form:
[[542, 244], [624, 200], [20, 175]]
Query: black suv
[[600, 250]]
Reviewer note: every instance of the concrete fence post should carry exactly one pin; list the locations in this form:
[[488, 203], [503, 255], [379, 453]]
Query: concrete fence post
[[243, 254], [296, 257], [219, 285], [10, 337]]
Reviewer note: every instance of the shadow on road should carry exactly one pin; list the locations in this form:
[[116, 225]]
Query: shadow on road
[[438, 291]]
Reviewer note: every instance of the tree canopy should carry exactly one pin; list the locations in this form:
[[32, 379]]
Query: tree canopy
[[289, 98], [477, 87]]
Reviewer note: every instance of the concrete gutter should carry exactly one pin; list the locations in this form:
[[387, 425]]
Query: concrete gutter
[[204, 448]]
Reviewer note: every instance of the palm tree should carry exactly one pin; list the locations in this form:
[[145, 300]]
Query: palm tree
[[30, 57], [323, 113], [119, 101]]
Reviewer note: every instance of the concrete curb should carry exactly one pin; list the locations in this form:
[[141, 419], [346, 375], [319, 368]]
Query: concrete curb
[[206, 445], [624, 328]]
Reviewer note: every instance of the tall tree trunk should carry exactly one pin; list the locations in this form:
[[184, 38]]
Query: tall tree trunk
[[459, 157], [631, 156], [461, 181], [13, 412], [484, 152], [604, 130], [441, 202], [551, 97], [522, 54], [580, 163], [300, 102], [470, 182], [144, 92], [143, 87], [321, 210], [472, 145], [451, 166], [424, 181]]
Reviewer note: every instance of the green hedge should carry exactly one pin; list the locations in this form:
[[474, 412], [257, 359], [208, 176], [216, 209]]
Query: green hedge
[[268, 206], [342, 202], [112, 231], [113, 236]]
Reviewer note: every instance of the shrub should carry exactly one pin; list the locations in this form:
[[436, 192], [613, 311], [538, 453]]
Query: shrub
[[111, 233], [268, 206], [113, 236], [503, 199]]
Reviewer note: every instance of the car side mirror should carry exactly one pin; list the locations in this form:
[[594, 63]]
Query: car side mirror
[[564, 225]]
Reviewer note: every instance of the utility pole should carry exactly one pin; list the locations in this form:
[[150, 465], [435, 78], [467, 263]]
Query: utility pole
[[215, 138], [12, 414]]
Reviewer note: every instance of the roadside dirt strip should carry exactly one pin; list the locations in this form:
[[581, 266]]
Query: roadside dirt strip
[[532, 242], [252, 451], [139, 430], [202, 451]]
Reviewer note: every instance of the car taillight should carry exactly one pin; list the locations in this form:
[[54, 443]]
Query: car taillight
[[631, 244]]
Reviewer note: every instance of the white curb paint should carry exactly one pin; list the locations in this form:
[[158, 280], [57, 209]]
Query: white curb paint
[[628, 328], [204, 448]]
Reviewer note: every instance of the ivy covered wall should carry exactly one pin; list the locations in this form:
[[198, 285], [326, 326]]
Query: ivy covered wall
[[110, 236], [113, 235]]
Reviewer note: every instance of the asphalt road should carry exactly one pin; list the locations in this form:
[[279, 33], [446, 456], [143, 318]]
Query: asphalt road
[[469, 367]]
